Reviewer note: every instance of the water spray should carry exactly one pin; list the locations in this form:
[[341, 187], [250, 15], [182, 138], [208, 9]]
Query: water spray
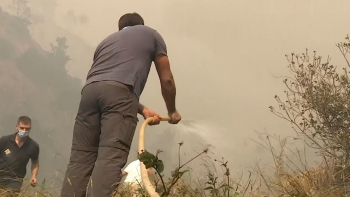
[[144, 175]]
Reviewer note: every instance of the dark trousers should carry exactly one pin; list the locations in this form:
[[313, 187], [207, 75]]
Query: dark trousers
[[103, 132]]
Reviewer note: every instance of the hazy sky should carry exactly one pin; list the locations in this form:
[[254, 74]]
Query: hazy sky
[[223, 54]]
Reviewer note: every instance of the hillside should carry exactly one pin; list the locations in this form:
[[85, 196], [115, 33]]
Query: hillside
[[34, 82], [80, 52], [44, 31]]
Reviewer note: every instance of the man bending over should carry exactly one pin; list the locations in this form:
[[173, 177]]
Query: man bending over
[[107, 115]]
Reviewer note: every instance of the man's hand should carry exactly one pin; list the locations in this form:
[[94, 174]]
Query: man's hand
[[174, 117], [147, 113], [33, 181], [35, 170]]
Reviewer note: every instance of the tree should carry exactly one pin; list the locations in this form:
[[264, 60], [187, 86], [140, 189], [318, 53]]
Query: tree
[[22, 11], [58, 52], [317, 104], [21, 8]]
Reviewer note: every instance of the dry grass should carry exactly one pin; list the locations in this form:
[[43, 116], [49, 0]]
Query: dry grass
[[318, 181], [324, 180], [180, 189], [292, 178], [41, 190]]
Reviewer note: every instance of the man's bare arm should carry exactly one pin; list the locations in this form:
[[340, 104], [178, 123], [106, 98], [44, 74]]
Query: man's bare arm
[[166, 81], [35, 168]]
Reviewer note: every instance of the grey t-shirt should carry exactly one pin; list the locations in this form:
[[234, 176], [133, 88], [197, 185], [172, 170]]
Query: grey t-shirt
[[126, 57]]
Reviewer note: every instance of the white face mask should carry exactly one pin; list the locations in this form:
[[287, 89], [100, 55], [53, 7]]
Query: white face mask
[[22, 134]]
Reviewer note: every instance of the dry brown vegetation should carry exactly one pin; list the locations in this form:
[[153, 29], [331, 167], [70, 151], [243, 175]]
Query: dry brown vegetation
[[316, 103]]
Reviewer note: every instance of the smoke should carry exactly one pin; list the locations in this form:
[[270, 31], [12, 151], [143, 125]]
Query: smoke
[[223, 56], [194, 137]]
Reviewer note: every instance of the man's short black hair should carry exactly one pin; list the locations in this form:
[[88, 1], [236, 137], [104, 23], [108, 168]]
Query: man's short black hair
[[24, 120], [130, 19]]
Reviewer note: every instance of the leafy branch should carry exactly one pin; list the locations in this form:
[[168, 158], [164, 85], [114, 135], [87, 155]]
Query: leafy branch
[[152, 161]]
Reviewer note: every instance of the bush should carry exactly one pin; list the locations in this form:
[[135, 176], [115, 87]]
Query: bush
[[317, 105], [35, 66]]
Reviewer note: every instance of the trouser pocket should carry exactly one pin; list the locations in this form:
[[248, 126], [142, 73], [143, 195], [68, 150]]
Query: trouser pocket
[[119, 131], [129, 126]]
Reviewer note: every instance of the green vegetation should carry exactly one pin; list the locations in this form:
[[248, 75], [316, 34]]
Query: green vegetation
[[316, 103]]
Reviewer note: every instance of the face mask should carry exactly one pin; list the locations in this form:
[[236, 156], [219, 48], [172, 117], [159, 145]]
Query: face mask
[[22, 134]]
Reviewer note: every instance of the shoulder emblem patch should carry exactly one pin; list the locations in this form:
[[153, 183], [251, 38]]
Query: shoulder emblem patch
[[7, 151]]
